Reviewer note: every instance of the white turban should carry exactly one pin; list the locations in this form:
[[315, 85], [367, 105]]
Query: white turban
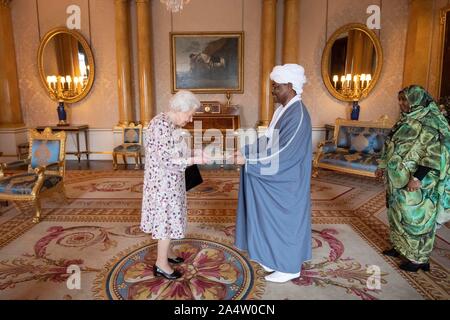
[[290, 73]]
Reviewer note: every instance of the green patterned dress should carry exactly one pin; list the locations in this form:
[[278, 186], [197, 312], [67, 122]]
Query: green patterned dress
[[420, 138]]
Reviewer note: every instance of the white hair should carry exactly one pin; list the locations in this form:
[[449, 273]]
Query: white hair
[[184, 101]]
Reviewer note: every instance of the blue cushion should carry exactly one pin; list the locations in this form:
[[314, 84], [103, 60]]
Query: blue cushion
[[23, 184], [131, 135], [128, 148], [329, 147], [363, 142], [343, 139], [44, 152], [358, 161], [381, 133]]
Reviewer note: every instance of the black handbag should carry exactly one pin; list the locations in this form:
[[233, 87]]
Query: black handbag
[[193, 177]]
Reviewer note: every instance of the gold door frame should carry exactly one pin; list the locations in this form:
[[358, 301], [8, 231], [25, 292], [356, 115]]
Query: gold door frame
[[442, 35]]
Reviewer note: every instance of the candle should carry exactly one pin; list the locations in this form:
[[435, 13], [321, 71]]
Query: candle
[[368, 78], [55, 82], [355, 82], [75, 84], [49, 81], [348, 78], [69, 81], [363, 79], [342, 82], [335, 79]]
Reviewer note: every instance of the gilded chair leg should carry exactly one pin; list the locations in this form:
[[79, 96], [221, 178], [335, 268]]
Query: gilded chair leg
[[136, 159], [64, 195], [315, 172], [37, 204], [114, 161], [125, 160]]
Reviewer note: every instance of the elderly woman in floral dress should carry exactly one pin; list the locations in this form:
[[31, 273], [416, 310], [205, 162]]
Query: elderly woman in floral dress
[[164, 194]]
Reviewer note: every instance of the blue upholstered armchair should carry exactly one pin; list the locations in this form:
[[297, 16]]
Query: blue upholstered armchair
[[356, 147], [131, 146], [46, 169]]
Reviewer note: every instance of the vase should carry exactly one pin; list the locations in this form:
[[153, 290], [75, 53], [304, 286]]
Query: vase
[[355, 111], [62, 115]]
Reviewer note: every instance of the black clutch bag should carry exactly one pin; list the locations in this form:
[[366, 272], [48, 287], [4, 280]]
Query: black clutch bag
[[193, 177]]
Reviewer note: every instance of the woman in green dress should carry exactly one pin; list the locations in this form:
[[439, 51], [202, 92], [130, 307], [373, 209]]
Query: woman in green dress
[[415, 165]]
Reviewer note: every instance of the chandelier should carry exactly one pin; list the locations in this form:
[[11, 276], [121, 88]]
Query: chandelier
[[175, 5]]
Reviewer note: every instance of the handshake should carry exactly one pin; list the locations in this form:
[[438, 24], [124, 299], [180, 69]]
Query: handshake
[[205, 157]]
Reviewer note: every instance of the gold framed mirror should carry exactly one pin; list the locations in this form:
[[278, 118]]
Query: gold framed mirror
[[66, 65], [352, 62]]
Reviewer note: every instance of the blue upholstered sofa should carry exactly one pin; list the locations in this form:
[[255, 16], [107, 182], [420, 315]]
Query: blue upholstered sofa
[[355, 148]]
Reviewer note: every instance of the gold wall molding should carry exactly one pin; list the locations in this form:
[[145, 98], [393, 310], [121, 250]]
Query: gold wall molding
[[291, 29], [145, 61], [123, 54], [442, 36], [268, 47], [418, 43], [11, 114]]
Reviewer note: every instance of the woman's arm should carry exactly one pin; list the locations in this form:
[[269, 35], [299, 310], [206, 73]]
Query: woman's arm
[[420, 159], [165, 148]]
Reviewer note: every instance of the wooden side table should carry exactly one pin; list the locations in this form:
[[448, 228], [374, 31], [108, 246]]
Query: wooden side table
[[217, 116], [76, 129], [23, 150]]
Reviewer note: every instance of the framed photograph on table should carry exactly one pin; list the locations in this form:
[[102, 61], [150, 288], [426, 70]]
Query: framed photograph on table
[[207, 62]]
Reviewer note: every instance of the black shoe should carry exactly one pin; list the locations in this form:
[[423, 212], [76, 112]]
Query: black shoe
[[414, 267], [159, 272], [391, 253], [176, 260]]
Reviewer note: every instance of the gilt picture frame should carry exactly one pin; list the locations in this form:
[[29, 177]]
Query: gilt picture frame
[[207, 62]]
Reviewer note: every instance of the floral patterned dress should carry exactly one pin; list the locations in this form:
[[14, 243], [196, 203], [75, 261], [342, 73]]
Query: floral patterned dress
[[164, 193]]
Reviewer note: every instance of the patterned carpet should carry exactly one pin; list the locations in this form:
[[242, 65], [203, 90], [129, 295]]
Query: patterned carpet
[[98, 231]]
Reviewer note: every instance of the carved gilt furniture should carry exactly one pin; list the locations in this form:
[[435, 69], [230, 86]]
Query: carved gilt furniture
[[355, 148], [46, 169], [131, 146]]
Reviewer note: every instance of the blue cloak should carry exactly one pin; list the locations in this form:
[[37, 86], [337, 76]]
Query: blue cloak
[[273, 222]]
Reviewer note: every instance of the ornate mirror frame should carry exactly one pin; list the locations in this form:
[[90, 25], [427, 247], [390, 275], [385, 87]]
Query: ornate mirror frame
[[326, 58], [87, 49]]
